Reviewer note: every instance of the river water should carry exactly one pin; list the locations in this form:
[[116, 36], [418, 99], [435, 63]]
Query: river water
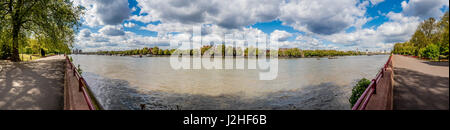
[[302, 83]]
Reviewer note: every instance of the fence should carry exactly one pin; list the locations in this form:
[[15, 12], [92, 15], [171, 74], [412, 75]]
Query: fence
[[379, 93], [76, 94]]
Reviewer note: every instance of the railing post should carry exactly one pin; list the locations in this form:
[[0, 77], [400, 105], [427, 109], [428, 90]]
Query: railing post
[[68, 62], [80, 84], [374, 86]]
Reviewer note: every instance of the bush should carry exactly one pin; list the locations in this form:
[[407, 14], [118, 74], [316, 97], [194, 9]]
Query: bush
[[80, 71], [358, 90], [431, 51], [5, 51]]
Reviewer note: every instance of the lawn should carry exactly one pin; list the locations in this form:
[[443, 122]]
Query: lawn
[[29, 57]]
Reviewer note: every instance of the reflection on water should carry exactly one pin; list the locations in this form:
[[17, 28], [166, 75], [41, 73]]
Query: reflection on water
[[307, 83]]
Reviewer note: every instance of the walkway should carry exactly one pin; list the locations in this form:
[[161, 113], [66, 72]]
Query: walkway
[[420, 85], [74, 98], [34, 85]]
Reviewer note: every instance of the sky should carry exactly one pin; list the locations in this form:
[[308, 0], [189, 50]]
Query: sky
[[374, 25]]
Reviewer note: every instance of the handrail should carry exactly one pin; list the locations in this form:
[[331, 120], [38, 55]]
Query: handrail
[[82, 83], [371, 89]]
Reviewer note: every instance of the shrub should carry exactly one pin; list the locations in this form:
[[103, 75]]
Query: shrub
[[79, 70], [358, 90], [5, 51], [430, 51]]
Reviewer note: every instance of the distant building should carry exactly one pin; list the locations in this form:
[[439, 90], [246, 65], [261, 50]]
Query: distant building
[[76, 51]]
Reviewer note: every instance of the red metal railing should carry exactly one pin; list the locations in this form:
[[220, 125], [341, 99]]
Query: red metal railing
[[82, 83], [371, 89]]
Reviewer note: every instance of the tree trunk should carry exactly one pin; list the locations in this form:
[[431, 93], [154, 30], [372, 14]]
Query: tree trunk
[[15, 48], [16, 22]]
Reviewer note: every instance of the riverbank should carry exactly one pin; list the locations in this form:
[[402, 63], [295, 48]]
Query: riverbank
[[33, 85], [284, 57]]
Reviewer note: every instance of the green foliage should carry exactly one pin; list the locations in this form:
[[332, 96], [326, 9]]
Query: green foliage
[[358, 90], [431, 40], [144, 51], [79, 69], [205, 49], [51, 22], [431, 51], [223, 50], [295, 52], [5, 52], [444, 35], [166, 52], [155, 50], [404, 48]]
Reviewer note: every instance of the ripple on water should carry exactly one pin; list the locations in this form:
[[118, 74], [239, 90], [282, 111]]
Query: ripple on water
[[116, 94], [305, 83]]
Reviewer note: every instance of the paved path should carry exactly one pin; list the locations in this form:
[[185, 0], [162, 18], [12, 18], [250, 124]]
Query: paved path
[[34, 85], [420, 85]]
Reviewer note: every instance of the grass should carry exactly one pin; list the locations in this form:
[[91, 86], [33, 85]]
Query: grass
[[29, 57]]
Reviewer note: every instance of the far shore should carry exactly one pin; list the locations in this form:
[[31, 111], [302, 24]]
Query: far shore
[[283, 57]]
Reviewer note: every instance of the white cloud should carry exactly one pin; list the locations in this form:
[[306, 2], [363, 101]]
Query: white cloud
[[398, 29], [319, 17], [112, 30], [324, 22], [143, 18], [424, 8], [280, 35], [85, 33], [165, 28], [227, 14], [129, 25], [399, 26], [104, 12], [375, 2]]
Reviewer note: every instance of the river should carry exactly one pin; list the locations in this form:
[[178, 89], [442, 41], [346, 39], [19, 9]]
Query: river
[[123, 83]]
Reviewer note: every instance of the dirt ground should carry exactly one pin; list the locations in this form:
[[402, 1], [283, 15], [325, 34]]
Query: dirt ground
[[420, 85], [34, 85]]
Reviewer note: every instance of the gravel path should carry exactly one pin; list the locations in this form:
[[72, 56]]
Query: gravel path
[[34, 85], [420, 85]]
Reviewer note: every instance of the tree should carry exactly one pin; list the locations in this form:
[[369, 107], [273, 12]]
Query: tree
[[444, 35], [428, 27], [431, 51], [160, 52], [430, 38], [419, 40], [145, 51], [52, 19], [166, 52], [155, 50]]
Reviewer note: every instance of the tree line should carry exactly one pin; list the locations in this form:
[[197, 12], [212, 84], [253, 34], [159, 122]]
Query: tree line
[[223, 50], [37, 26], [430, 40]]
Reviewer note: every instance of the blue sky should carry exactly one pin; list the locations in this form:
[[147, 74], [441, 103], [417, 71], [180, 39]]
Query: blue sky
[[306, 24]]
